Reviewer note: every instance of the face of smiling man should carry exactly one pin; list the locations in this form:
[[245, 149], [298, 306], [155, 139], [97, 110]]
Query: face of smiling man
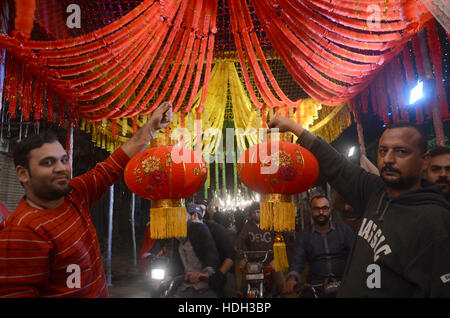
[[48, 175]]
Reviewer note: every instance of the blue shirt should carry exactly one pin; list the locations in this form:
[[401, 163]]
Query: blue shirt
[[326, 254]]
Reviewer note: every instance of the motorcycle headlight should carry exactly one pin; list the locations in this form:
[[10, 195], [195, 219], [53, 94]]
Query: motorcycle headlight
[[253, 268], [158, 273]]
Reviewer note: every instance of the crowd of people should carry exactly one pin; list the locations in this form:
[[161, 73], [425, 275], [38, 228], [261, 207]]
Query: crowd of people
[[401, 247]]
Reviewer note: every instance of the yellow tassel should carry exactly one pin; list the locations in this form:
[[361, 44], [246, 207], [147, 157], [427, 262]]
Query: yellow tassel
[[94, 133], [279, 254], [266, 215], [168, 219], [277, 212], [124, 126]]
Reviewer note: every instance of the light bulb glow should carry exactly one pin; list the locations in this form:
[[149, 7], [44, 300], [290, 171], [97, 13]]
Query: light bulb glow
[[416, 93]]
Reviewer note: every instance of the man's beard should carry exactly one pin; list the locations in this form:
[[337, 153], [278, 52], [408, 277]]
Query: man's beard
[[52, 193], [321, 222], [401, 183], [49, 193], [444, 183]]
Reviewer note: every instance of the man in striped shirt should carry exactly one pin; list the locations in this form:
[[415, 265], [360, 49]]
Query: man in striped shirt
[[48, 244]]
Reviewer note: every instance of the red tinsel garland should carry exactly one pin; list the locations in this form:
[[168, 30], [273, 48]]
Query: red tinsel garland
[[255, 52], [436, 58], [204, 45], [235, 9], [24, 18], [373, 98], [399, 84], [212, 14], [382, 98], [356, 20], [125, 69], [365, 100], [137, 105], [110, 29], [360, 10]]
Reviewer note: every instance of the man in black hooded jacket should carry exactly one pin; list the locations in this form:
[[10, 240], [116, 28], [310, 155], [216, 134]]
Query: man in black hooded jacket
[[403, 244]]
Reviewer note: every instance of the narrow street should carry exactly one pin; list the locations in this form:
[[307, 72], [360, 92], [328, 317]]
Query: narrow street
[[127, 281]]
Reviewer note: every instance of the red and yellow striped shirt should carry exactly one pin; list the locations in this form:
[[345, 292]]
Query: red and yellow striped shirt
[[41, 250]]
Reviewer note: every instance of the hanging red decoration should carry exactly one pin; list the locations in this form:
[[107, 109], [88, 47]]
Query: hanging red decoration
[[436, 60], [278, 169], [166, 175], [24, 18]]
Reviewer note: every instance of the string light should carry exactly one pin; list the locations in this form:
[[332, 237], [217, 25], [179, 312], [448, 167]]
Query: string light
[[238, 202]]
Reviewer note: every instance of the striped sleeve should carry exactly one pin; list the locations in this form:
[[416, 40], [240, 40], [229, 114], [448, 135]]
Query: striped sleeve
[[24, 262], [92, 185]]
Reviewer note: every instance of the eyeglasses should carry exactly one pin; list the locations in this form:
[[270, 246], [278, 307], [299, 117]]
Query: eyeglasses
[[318, 208]]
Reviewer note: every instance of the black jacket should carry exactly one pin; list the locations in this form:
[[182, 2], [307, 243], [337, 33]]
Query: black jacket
[[223, 241], [403, 245], [202, 243], [326, 254]]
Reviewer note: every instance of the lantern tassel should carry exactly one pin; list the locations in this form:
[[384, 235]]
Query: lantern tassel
[[277, 213], [167, 221], [279, 254]]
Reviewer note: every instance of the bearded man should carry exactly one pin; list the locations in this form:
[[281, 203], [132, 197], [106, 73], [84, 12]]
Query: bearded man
[[438, 169], [324, 246], [402, 247], [48, 244]]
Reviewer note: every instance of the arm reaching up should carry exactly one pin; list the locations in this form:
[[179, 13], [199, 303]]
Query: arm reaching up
[[351, 181], [95, 182], [286, 124], [161, 117]]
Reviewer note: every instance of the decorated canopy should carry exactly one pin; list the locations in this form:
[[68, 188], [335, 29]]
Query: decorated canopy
[[128, 56]]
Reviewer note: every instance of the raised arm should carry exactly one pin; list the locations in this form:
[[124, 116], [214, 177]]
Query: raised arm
[[351, 181], [160, 118], [93, 184]]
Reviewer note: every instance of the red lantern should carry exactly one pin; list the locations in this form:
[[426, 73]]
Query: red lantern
[[278, 169], [166, 175]]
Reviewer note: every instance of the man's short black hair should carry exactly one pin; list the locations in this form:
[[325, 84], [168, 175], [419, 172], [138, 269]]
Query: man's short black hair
[[192, 208], [22, 149], [252, 207], [201, 201], [318, 195], [439, 150], [423, 141]]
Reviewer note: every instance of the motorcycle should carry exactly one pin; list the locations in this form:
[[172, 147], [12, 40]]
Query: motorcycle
[[328, 289], [161, 282], [308, 290], [258, 275]]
